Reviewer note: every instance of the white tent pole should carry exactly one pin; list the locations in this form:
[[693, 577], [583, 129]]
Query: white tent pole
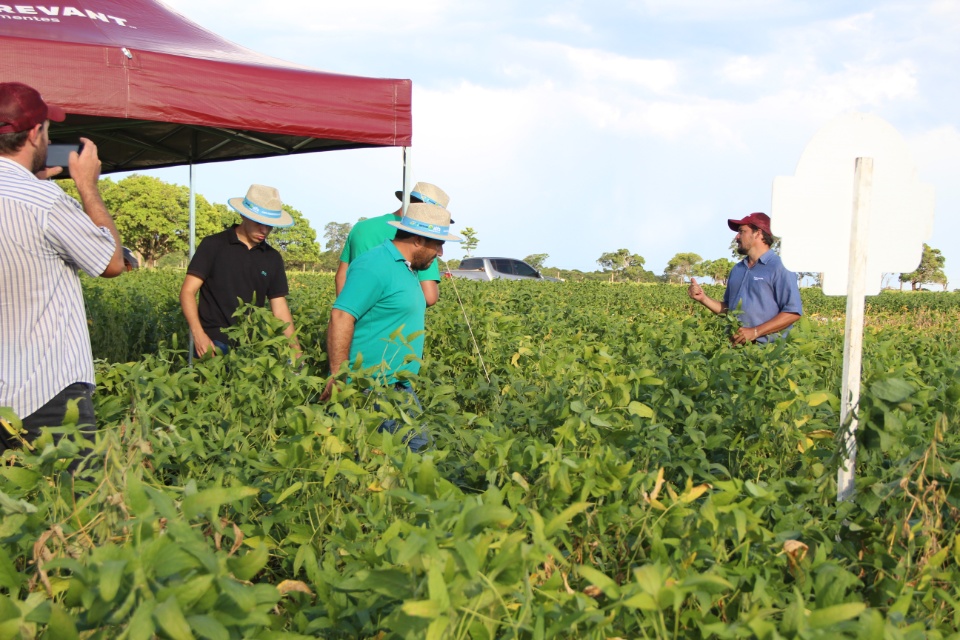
[[853, 340], [193, 214], [193, 243], [406, 179]]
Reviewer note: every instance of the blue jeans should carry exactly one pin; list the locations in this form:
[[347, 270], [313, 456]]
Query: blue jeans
[[52, 414], [417, 441]]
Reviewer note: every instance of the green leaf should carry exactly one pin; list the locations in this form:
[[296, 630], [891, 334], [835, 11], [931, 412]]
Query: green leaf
[[421, 608], [212, 499], [136, 498], [208, 627], [892, 390], [10, 578], [250, 563], [639, 409], [61, 625], [560, 520], [296, 486], [599, 580], [487, 514], [829, 616], [111, 574], [141, 624], [170, 619], [817, 398]]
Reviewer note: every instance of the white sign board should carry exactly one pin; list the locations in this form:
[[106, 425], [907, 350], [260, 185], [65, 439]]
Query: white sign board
[[811, 211]]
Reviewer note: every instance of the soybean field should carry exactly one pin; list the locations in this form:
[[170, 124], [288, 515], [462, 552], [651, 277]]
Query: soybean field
[[606, 465]]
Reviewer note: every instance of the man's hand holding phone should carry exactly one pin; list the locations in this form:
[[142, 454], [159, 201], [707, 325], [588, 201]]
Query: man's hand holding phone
[[85, 165]]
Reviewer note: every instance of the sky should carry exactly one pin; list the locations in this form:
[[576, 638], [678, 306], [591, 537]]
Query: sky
[[575, 128]]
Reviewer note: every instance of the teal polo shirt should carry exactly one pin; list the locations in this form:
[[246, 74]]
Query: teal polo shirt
[[370, 233], [384, 295]]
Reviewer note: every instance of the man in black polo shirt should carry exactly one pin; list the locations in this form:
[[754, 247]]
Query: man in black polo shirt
[[237, 263]]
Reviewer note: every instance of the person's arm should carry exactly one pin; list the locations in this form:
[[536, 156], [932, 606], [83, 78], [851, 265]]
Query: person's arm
[[85, 171], [341, 276], [431, 291], [188, 302], [775, 324], [696, 292], [339, 338], [281, 311]]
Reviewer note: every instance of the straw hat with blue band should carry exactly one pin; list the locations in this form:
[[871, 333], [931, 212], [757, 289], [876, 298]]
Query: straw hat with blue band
[[427, 220], [263, 205], [428, 194]]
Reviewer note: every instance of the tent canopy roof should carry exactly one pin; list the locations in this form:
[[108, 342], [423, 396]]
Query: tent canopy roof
[[153, 89]]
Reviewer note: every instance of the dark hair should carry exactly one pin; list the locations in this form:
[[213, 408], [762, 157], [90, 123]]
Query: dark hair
[[768, 238], [12, 142], [404, 235]]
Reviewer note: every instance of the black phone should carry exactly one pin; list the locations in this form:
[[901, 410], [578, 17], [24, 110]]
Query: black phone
[[58, 155]]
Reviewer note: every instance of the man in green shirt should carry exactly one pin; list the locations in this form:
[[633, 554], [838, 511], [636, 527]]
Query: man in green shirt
[[381, 296], [371, 233]]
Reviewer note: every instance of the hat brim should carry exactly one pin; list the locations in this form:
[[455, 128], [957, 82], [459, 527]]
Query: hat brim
[[285, 219], [55, 113], [449, 237], [736, 224], [414, 200]]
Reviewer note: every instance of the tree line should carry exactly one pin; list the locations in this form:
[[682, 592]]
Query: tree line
[[153, 216]]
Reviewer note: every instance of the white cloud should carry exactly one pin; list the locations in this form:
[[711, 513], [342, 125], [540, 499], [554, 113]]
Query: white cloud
[[658, 76], [744, 69], [568, 21]]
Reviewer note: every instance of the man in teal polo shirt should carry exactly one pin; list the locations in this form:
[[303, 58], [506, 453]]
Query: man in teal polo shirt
[[381, 295], [371, 233]]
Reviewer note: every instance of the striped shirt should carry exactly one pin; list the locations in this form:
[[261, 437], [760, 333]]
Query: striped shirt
[[45, 240]]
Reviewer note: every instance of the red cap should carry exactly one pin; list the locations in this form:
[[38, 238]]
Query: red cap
[[759, 220], [22, 108]]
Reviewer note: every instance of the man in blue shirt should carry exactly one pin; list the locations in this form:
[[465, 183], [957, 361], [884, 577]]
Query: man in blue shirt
[[382, 300], [768, 294]]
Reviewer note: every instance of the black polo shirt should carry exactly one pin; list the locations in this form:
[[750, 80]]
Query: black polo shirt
[[229, 271]]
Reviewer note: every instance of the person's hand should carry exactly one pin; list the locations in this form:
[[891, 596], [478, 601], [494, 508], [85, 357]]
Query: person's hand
[[745, 335], [85, 166], [695, 291], [48, 172], [328, 390], [203, 345]]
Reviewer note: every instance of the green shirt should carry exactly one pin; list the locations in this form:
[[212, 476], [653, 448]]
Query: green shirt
[[370, 233], [384, 296]]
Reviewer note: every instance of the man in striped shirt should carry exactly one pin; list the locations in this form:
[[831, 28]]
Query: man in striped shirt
[[46, 238]]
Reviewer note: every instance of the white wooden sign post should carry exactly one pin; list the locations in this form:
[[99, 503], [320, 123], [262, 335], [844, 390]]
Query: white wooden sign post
[[853, 212]]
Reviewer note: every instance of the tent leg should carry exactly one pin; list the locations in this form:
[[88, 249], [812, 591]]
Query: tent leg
[[406, 179], [193, 243]]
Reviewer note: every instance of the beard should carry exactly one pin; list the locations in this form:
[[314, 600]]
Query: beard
[[422, 260], [741, 250], [39, 158]]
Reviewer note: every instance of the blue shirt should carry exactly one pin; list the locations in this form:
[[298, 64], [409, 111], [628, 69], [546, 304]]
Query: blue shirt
[[46, 239], [766, 289], [385, 297]]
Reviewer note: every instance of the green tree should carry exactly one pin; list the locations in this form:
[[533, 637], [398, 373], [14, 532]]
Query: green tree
[[930, 269], [718, 270], [297, 244], [469, 240], [682, 266], [336, 234], [623, 265], [536, 260], [153, 216]]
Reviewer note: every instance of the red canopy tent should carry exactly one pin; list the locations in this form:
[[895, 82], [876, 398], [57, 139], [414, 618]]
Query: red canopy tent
[[153, 89]]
